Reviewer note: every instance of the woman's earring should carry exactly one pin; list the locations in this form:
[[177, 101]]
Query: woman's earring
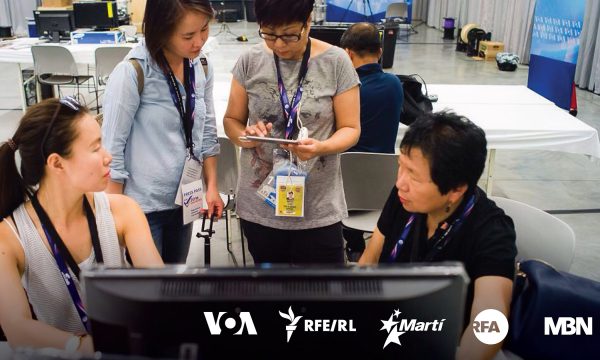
[[448, 207]]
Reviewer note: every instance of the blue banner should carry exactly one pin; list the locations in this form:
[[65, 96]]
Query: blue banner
[[359, 10], [554, 49]]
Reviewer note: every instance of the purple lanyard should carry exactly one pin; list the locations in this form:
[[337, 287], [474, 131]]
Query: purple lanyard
[[57, 245], [442, 241], [64, 271], [290, 113], [185, 112]]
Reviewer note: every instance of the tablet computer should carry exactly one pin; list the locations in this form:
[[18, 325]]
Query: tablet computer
[[267, 139]]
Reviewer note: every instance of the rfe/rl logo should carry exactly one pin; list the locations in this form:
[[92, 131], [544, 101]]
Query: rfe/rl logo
[[231, 322], [567, 326]]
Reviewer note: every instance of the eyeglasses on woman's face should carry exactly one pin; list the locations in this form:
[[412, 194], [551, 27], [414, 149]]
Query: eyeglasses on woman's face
[[287, 38]]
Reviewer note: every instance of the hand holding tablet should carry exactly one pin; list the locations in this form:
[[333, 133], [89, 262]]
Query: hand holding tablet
[[267, 139]]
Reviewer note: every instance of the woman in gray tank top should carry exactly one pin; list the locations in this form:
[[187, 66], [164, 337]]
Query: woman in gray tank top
[[57, 221], [294, 87]]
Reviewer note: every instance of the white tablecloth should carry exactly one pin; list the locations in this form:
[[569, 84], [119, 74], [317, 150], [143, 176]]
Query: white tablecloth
[[534, 127], [486, 94], [513, 117], [516, 117]]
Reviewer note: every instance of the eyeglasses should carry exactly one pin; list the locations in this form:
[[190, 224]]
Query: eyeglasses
[[67, 101], [285, 37]]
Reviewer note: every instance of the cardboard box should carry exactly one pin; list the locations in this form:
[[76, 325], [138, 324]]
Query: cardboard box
[[97, 37], [57, 3], [489, 49]]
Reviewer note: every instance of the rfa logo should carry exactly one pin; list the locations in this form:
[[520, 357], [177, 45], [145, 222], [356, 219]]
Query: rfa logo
[[567, 326], [293, 322], [230, 323], [490, 326], [398, 327]]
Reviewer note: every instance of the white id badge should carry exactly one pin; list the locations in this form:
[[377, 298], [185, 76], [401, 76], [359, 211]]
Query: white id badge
[[290, 196], [192, 201], [266, 191], [192, 171]]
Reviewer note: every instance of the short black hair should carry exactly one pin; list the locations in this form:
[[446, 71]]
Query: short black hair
[[453, 145], [282, 12], [362, 38]]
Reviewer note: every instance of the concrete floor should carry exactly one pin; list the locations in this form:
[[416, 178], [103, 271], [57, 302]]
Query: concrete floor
[[544, 179]]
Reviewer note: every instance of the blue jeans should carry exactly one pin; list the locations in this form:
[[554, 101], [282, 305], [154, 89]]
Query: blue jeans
[[171, 237]]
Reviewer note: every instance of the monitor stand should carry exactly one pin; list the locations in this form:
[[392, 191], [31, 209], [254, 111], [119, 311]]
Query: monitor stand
[[55, 37]]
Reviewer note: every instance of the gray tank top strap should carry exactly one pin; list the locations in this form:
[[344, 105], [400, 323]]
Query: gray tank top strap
[[107, 232]]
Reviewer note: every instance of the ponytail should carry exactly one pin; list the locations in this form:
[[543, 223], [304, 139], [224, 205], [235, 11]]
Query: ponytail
[[36, 129], [13, 190]]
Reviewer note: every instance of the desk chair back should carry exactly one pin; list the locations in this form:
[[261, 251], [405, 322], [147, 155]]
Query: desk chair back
[[368, 179], [398, 10], [54, 60], [106, 59], [540, 235]]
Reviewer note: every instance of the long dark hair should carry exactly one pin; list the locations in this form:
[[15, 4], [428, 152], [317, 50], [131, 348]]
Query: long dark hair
[[161, 18], [15, 187]]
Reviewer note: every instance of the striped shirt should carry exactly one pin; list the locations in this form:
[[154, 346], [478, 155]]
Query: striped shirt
[[42, 280]]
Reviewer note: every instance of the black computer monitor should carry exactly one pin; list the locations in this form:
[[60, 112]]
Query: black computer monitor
[[55, 25], [99, 15], [406, 312]]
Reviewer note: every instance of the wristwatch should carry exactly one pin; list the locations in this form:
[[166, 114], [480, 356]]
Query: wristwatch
[[73, 343]]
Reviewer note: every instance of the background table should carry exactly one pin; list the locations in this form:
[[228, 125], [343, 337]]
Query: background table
[[517, 118], [84, 55]]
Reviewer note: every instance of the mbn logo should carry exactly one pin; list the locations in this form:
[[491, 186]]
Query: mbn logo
[[567, 326], [231, 323]]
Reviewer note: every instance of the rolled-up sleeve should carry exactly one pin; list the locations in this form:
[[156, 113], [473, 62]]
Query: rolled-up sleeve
[[210, 143], [121, 102]]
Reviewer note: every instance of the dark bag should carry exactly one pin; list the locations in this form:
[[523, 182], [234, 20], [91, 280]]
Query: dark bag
[[415, 102], [540, 291]]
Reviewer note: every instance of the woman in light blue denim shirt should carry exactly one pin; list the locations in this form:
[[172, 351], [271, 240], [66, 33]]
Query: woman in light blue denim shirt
[[145, 134]]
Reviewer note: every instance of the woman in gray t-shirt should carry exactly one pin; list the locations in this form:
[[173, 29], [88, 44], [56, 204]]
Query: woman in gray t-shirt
[[330, 111]]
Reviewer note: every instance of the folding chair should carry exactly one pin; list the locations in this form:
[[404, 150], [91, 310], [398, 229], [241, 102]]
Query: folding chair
[[55, 65], [227, 177], [106, 59], [398, 13]]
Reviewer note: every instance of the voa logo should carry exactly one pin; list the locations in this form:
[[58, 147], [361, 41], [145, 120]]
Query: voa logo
[[568, 326], [242, 323], [490, 326]]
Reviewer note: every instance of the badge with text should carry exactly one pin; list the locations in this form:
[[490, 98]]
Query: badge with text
[[192, 171], [267, 191], [290, 196], [192, 201]]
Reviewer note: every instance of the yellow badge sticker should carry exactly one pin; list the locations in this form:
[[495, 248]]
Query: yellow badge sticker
[[290, 196]]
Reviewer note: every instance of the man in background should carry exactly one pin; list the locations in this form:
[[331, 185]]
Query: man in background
[[381, 99]]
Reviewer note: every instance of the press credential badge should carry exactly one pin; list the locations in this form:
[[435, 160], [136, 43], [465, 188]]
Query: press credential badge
[[290, 196]]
